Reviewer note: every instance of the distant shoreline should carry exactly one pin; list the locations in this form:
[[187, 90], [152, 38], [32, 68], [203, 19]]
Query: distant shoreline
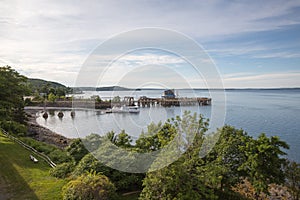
[[113, 88]]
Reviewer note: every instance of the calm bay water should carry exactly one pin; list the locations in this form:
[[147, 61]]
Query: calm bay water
[[274, 112]]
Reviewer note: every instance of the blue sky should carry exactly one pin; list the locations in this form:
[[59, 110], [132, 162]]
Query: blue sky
[[253, 43]]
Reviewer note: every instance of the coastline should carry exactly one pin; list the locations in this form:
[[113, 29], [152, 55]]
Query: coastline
[[43, 134]]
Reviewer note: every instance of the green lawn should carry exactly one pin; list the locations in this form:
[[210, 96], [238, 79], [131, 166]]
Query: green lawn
[[20, 178]]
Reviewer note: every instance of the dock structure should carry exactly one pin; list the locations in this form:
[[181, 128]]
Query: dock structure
[[166, 102], [129, 101]]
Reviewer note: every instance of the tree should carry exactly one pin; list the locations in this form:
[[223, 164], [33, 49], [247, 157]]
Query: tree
[[12, 89], [123, 140], [292, 173], [122, 180], [60, 92], [52, 97], [183, 179], [235, 157], [62, 170], [116, 99], [77, 149], [225, 158], [86, 164], [156, 137], [89, 186], [111, 136], [264, 164]]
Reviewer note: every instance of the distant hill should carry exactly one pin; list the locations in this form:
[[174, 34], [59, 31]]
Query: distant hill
[[108, 88], [112, 88], [39, 83], [43, 86]]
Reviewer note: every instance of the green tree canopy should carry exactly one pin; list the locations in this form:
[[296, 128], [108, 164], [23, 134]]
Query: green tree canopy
[[292, 173], [183, 179], [235, 157], [12, 89], [89, 186], [77, 149], [52, 97], [264, 163]]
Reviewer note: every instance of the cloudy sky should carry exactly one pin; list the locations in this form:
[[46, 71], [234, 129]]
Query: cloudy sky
[[252, 43]]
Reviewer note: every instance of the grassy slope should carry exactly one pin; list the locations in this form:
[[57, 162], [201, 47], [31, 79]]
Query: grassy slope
[[23, 179]]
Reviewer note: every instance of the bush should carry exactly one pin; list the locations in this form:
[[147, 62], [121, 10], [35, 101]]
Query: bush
[[14, 128], [77, 149], [39, 146], [122, 180], [62, 170], [89, 186], [86, 164], [27, 102], [59, 156]]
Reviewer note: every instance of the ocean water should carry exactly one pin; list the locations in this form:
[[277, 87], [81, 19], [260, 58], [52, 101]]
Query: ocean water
[[274, 112]]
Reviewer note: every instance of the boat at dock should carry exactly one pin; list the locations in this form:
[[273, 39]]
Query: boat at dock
[[124, 109]]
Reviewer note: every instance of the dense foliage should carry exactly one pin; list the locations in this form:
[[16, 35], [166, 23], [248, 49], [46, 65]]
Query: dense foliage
[[236, 159], [12, 89], [47, 87], [14, 128], [292, 174], [77, 150], [123, 181], [89, 186], [62, 170]]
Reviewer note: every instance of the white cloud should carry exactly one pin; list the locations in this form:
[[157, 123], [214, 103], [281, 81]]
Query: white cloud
[[278, 55], [51, 39], [254, 50], [268, 80], [155, 59]]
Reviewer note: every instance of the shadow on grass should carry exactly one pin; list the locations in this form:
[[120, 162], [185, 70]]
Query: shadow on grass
[[13, 184]]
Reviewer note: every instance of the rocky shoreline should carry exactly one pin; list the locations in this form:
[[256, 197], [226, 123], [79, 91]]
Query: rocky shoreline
[[43, 134]]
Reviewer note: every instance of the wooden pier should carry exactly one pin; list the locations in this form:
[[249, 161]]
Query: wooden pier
[[166, 102], [128, 101]]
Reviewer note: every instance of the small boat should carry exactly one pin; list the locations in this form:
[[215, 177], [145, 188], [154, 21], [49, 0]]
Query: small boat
[[134, 109], [108, 110], [125, 109], [119, 109]]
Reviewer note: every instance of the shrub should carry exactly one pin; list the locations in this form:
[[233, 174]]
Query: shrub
[[86, 164], [39, 146], [62, 170], [59, 156], [77, 149], [89, 186], [14, 128], [122, 180]]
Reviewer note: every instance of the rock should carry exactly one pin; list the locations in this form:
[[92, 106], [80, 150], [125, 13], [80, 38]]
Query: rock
[[60, 114], [45, 115], [43, 134]]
